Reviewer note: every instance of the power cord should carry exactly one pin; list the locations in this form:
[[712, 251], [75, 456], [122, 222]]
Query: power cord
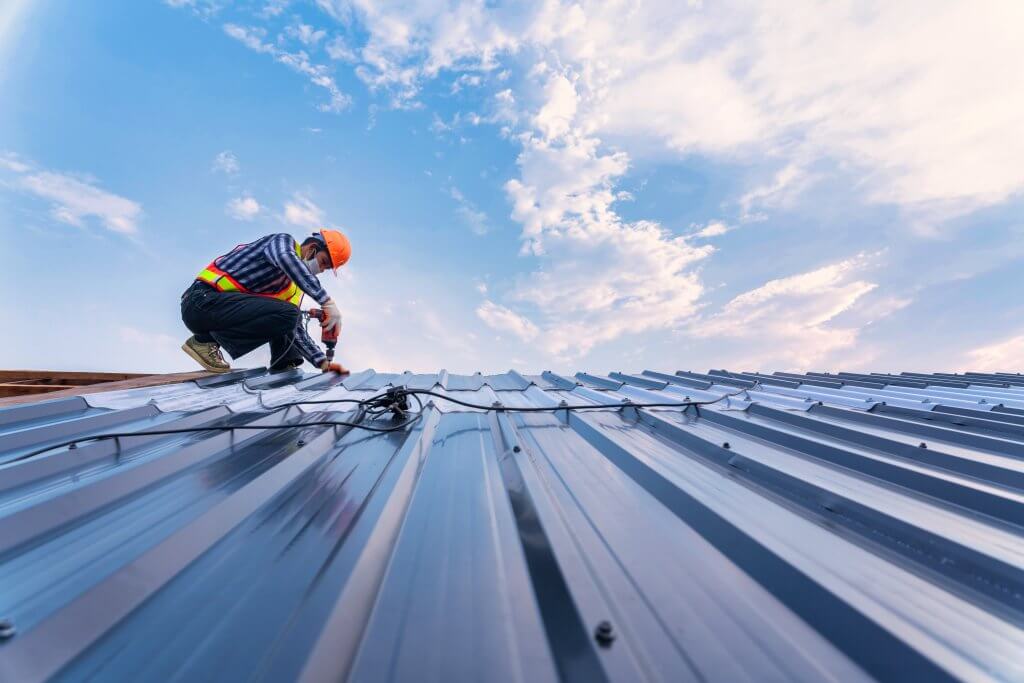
[[375, 406], [394, 400]]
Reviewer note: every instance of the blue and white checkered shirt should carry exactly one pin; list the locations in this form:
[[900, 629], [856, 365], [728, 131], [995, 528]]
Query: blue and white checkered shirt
[[266, 266]]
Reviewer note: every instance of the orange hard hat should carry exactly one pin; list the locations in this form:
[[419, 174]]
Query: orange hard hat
[[338, 247]]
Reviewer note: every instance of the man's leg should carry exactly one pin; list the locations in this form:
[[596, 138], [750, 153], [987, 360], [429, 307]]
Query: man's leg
[[284, 355], [239, 322], [201, 346]]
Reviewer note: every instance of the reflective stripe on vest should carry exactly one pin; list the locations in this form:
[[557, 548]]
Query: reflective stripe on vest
[[217, 278]]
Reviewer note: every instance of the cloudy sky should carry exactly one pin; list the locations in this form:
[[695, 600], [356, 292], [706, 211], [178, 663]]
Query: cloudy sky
[[538, 185]]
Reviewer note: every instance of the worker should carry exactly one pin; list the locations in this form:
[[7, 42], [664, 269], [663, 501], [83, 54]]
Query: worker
[[251, 295]]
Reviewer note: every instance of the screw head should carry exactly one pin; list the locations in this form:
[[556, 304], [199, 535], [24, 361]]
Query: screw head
[[725, 445], [922, 445], [300, 443], [516, 449], [7, 629], [604, 634]]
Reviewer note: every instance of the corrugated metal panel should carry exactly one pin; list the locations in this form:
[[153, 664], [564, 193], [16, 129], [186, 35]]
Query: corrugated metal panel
[[810, 527]]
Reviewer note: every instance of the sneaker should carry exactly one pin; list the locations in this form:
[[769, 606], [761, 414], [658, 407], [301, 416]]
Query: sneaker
[[206, 354]]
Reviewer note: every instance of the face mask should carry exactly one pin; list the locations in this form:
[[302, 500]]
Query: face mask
[[314, 266]]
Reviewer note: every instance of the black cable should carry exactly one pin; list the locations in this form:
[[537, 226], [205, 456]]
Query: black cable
[[392, 400], [597, 406], [532, 409], [373, 401]]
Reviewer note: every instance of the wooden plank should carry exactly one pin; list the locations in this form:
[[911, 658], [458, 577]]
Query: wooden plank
[[134, 382], [68, 377], [19, 389]]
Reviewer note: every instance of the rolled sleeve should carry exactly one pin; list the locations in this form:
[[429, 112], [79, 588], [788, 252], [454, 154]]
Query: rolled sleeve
[[308, 348]]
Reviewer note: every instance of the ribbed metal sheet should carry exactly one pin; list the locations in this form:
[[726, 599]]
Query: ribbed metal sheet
[[811, 527]]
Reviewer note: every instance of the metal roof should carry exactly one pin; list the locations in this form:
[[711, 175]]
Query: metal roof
[[811, 527]]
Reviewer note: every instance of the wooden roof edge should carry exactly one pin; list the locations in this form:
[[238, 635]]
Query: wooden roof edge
[[133, 382], [77, 377]]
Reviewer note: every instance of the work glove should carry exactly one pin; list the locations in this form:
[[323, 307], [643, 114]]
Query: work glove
[[333, 315], [328, 366]]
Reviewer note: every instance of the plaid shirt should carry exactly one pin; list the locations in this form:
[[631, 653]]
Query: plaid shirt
[[266, 266]]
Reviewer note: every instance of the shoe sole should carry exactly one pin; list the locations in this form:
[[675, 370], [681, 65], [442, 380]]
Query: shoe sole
[[199, 359]]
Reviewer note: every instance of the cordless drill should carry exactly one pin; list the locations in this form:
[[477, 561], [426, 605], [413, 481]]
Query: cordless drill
[[328, 337]]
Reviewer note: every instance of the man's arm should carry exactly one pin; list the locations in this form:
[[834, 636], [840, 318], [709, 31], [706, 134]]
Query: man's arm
[[307, 347], [280, 250]]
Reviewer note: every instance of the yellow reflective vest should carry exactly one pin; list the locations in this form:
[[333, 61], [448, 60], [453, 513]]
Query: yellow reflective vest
[[223, 282]]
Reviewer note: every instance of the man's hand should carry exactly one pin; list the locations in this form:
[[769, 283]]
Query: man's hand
[[327, 366], [333, 315]]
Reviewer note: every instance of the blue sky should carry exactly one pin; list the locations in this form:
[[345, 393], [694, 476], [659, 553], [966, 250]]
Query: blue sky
[[537, 185]]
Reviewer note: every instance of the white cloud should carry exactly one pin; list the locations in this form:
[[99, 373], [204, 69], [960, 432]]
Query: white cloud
[[318, 74], [502, 319], [273, 8], [74, 198], [338, 50], [243, 208], [561, 182], [929, 112], [599, 277], [1001, 356], [411, 41], [917, 95], [790, 322], [201, 8], [600, 281], [303, 212], [783, 189], [12, 162], [713, 229], [226, 162], [475, 219], [556, 116], [466, 81], [305, 34]]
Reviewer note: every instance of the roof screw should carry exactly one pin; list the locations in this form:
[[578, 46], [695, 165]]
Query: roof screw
[[563, 404], [725, 445], [300, 443], [516, 449], [72, 446], [7, 629], [922, 445], [604, 634]]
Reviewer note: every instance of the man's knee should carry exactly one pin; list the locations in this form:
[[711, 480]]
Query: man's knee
[[290, 315]]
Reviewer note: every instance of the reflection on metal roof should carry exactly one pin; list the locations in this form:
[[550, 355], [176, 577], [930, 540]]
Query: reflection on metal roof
[[812, 527]]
